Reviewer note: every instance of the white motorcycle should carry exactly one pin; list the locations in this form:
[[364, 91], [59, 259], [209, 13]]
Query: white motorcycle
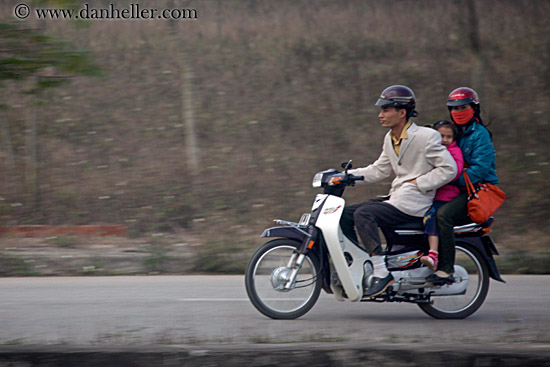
[[284, 277]]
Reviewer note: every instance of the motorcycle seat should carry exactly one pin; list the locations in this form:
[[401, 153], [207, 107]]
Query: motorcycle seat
[[416, 227], [419, 226]]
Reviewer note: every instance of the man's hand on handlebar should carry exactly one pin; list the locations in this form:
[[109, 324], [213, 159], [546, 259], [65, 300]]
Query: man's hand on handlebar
[[346, 179]]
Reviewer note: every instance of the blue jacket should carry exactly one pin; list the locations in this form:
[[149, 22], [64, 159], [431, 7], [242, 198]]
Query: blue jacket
[[479, 155]]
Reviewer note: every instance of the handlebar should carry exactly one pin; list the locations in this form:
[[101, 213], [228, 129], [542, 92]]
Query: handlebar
[[336, 184], [345, 179], [356, 178], [349, 180]]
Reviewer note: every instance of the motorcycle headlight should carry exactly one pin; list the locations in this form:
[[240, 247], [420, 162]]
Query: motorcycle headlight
[[317, 180]]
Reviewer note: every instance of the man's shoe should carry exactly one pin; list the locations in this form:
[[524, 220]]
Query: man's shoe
[[437, 280], [379, 285]]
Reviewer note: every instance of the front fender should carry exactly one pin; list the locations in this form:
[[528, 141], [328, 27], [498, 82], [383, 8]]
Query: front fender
[[292, 233]]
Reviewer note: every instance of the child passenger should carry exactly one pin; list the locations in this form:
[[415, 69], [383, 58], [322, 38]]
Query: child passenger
[[444, 194]]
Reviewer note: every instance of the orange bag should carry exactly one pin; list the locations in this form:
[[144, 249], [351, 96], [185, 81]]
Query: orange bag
[[483, 201]]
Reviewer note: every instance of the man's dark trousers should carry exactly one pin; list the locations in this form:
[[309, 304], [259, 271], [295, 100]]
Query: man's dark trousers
[[370, 215]]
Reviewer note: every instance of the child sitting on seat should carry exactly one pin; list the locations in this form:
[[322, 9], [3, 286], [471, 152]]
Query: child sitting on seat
[[444, 194]]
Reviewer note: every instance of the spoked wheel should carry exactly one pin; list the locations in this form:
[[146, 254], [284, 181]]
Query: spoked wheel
[[463, 305], [267, 273]]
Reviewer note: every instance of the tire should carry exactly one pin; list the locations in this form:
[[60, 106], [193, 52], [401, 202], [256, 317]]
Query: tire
[[261, 279], [462, 306]]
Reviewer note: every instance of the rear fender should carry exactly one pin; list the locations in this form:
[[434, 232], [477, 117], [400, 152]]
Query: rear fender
[[487, 249]]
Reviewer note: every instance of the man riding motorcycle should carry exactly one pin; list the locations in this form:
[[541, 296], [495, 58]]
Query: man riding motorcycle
[[420, 163]]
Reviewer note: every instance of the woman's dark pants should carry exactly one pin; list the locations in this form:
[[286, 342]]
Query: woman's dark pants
[[453, 213]]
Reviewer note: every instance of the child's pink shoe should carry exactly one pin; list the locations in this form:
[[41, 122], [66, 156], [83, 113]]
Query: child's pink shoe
[[431, 260]]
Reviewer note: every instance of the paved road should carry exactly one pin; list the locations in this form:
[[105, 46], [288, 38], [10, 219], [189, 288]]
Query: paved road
[[215, 309]]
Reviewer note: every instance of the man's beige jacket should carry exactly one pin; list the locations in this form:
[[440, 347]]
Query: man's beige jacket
[[421, 157]]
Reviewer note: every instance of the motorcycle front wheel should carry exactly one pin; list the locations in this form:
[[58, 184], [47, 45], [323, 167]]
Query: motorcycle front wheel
[[463, 305], [267, 273]]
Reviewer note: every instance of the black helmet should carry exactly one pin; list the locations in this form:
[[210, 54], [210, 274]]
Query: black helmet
[[398, 96]]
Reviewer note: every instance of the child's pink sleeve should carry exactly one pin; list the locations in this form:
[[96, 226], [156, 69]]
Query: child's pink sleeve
[[456, 153]]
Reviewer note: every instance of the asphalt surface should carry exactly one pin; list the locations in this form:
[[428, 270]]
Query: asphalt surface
[[276, 355], [171, 310]]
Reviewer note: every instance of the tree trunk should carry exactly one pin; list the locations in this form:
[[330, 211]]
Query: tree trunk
[[188, 112], [33, 162], [7, 143], [219, 21], [475, 44], [187, 106]]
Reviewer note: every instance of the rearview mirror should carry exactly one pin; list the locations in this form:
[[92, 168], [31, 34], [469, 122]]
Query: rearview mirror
[[346, 165]]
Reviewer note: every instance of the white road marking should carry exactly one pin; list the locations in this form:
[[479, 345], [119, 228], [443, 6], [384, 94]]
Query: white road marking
[[230, 299]]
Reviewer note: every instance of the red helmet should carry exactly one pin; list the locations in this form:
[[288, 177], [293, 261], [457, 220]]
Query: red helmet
[[461, 96]]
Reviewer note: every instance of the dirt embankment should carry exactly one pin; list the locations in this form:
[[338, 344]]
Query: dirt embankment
[[92, 251], [107, 250]]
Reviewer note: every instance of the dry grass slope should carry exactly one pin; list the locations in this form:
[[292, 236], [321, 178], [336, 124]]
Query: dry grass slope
[[281, 90]]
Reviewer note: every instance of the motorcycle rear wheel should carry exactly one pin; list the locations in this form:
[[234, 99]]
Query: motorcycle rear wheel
[[264, 278], [462, 306]]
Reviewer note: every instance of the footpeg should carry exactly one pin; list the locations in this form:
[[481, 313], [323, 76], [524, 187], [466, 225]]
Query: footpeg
[[337, 288]]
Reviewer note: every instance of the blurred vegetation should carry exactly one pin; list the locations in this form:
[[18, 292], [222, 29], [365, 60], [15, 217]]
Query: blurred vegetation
[[63, 241], [281, 90], [14, 266]]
